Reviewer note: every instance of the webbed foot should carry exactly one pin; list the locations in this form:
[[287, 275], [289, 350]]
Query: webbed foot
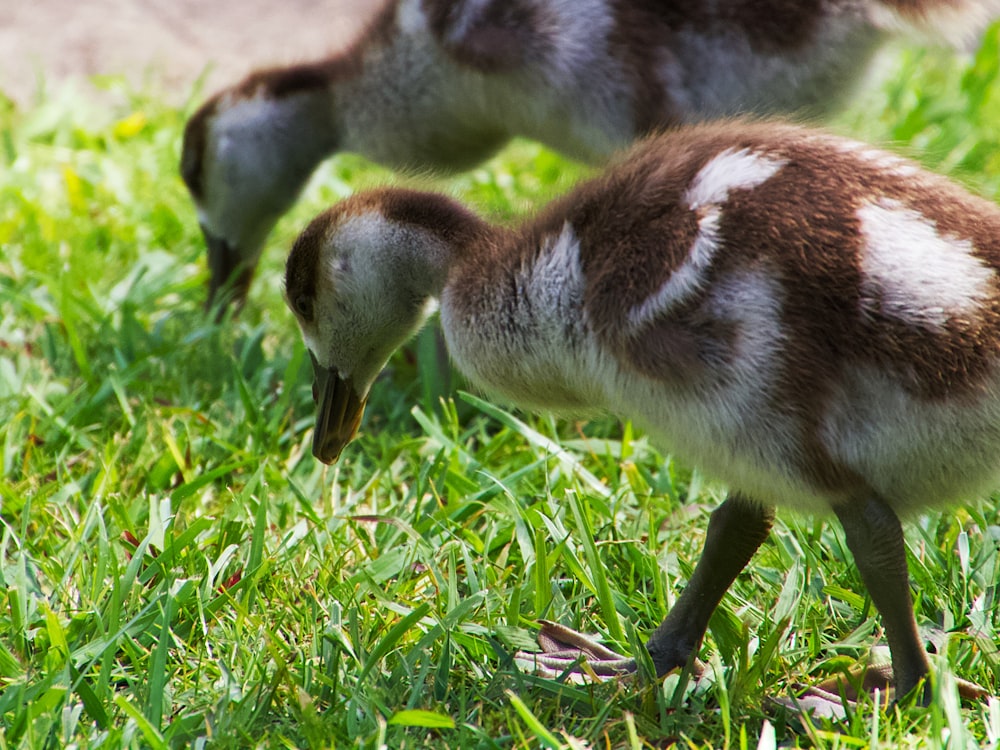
[[571, 655], [835, 696]]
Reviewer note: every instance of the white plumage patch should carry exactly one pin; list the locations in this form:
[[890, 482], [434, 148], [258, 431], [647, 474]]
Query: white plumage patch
[[689, 278], [913, 273], [877, 158], [411, 17], [731, 169], [958, 22], [557, 282]]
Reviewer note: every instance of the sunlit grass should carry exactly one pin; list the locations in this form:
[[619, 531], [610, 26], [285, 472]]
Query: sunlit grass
[[176, 570]]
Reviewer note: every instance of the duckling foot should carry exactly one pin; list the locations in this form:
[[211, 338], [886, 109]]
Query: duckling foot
[[735, 530], [835, 696], [573, 656]]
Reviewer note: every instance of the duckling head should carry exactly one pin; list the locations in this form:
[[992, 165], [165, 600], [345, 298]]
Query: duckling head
[[244, 162], [361, 279]]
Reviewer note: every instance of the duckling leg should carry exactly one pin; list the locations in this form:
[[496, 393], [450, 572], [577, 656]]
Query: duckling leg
[[735, 531], [875, 538]]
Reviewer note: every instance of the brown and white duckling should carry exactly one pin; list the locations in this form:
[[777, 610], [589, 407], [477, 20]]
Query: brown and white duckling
[[811, 320], [442, 85]]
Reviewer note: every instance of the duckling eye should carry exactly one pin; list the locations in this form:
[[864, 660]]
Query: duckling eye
[[304, 307]]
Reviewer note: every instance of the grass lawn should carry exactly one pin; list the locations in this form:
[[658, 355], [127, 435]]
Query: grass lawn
[[176, 570]]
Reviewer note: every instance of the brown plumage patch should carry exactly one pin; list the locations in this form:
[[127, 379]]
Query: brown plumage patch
[[641, 39], [633, 230], [447, 218], [776, 26], [922, 8], [687, 347], [507, 35], [302, 266], [804, 223], [931, 363], [193, 148], [277, 83]]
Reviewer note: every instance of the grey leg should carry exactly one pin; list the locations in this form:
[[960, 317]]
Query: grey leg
[[736, 529], [875, 538]]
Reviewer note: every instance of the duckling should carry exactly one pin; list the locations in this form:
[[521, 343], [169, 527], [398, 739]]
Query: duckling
[[810, 320], [442, 85]]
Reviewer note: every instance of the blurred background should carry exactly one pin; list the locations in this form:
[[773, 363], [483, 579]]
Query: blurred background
[[164, 44]]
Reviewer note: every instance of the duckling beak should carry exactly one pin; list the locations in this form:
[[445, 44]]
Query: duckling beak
[[227, 271], [340, 410]]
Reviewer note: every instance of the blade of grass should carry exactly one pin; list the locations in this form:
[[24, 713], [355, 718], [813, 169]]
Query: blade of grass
[[543, 735], [149, 732], [597, 570], [390, 639], [158, 665], [416, 717], [566, 460]]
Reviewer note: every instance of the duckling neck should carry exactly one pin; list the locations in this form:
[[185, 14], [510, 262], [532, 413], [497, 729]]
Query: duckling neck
[[307, 112], [430, 235]]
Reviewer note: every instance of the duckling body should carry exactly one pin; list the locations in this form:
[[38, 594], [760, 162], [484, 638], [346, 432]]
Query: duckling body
[[442, 85], [810, 320]]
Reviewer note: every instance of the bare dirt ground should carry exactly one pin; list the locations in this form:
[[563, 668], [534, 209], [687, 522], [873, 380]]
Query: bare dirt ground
[[165, 43]]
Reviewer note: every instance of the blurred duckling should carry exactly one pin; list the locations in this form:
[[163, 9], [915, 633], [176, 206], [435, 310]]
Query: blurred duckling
[[442, 85]]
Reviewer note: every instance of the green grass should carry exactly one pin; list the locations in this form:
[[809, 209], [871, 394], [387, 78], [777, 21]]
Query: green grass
[[177, 571]]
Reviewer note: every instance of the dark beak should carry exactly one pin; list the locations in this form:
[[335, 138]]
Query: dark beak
[[340, 410], [229, 276]]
